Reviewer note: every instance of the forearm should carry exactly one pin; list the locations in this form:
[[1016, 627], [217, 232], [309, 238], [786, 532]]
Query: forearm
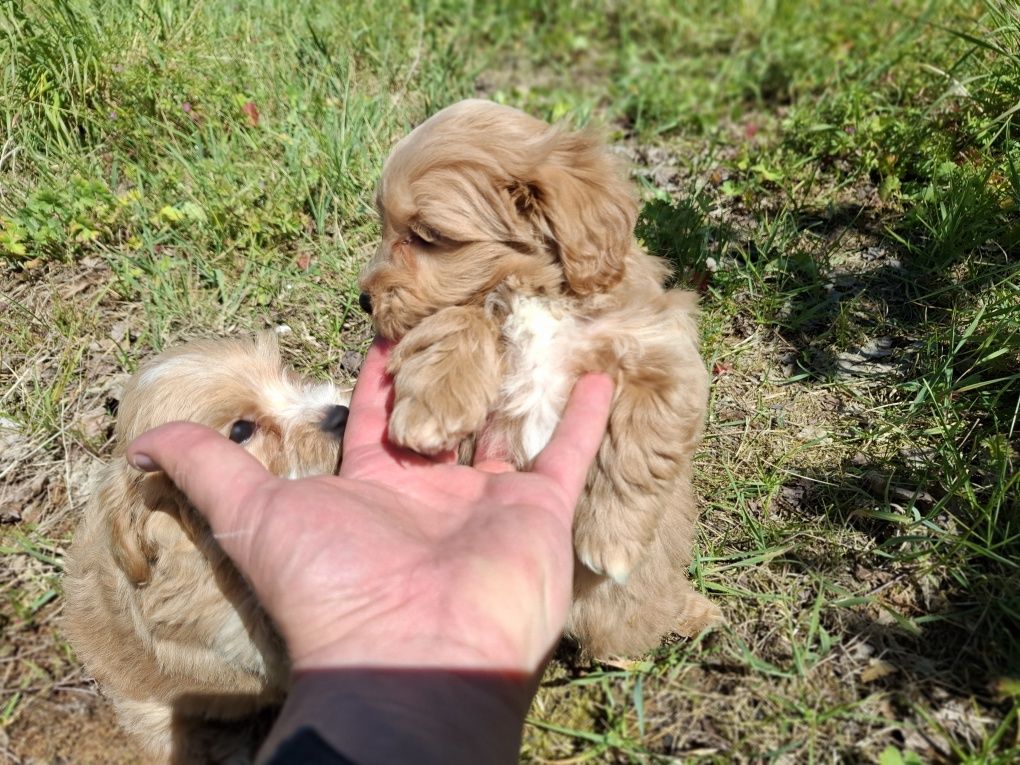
[[378, 716]]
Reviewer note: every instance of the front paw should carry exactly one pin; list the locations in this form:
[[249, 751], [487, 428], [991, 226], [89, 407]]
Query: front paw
[[416, 425], [615, 558]]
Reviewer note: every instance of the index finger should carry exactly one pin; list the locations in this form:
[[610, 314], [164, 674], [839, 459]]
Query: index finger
[[215, 474]]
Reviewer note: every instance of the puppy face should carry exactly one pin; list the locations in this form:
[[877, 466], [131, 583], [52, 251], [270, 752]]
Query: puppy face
[[241, 388], [480, 194]]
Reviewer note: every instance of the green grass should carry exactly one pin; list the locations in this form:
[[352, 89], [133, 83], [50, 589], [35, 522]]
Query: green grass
[[840, 179]]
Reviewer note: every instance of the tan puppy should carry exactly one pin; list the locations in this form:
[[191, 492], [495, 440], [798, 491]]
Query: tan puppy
[[508, 267], [153, 607]]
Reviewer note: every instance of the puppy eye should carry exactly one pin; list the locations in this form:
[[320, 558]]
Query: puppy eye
[[421, 234], [241, 431]]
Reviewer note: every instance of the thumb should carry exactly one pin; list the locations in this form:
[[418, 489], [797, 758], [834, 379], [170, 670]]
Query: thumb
[[215, 474], [568, 456]]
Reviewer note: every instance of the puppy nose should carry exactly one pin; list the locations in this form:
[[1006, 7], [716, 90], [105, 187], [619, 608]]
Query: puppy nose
[[335, 420], [365, 302]]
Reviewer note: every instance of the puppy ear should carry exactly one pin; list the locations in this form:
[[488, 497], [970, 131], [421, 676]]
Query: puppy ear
[[121, 496], [580, 200], [146, 513]]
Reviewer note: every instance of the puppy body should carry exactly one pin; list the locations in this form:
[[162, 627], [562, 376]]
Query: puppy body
[[508, 268], [154, 608]]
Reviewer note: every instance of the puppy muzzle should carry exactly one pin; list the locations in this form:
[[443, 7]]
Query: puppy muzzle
[[335, 420]]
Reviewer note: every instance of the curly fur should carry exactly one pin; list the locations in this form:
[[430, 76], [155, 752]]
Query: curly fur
[[507, 268], [154, 608]]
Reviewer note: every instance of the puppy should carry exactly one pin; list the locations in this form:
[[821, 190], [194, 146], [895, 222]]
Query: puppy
[[153, 607], [507, 268]]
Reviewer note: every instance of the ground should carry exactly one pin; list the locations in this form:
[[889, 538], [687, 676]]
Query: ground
[[837, 179]]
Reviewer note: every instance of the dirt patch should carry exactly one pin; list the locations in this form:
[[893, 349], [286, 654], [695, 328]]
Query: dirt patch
[[69, 725]]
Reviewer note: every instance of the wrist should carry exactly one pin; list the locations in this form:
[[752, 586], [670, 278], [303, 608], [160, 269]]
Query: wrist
[[486, 650], [394, 716]]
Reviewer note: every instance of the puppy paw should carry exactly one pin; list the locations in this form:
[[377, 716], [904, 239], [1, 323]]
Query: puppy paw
[[699, 614], [425, 429], [614, 558]]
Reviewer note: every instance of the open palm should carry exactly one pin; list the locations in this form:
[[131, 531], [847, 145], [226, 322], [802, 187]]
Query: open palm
[[400, 561]]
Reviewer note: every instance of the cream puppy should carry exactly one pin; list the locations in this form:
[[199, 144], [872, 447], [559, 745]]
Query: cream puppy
[[153, 607]]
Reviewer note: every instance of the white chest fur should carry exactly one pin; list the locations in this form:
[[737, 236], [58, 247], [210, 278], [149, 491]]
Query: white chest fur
[[540, 344]]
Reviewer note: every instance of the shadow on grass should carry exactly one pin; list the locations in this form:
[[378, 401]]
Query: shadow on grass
[[924, 310], [941, 606]]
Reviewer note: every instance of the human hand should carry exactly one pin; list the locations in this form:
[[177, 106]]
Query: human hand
[[401, 560]]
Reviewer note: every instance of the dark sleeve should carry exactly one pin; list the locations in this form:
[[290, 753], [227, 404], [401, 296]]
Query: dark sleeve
[[391, 717], [306, 747]]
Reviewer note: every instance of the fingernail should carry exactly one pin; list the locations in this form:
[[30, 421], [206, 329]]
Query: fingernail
[[142, 462]]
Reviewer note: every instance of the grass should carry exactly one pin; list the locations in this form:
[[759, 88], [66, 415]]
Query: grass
[[840, 180]]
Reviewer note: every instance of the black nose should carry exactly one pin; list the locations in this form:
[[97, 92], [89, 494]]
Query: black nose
[[335, 420], [365, 302]]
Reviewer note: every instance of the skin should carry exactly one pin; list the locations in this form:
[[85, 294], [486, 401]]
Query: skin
[[401, 562]]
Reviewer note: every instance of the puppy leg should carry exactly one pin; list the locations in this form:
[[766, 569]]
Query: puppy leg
[[641, 469], [626, 615], [698, 614], [612, 620], [151, 723], [170, 737], [445, 379], [634, 528], [644, 463]]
